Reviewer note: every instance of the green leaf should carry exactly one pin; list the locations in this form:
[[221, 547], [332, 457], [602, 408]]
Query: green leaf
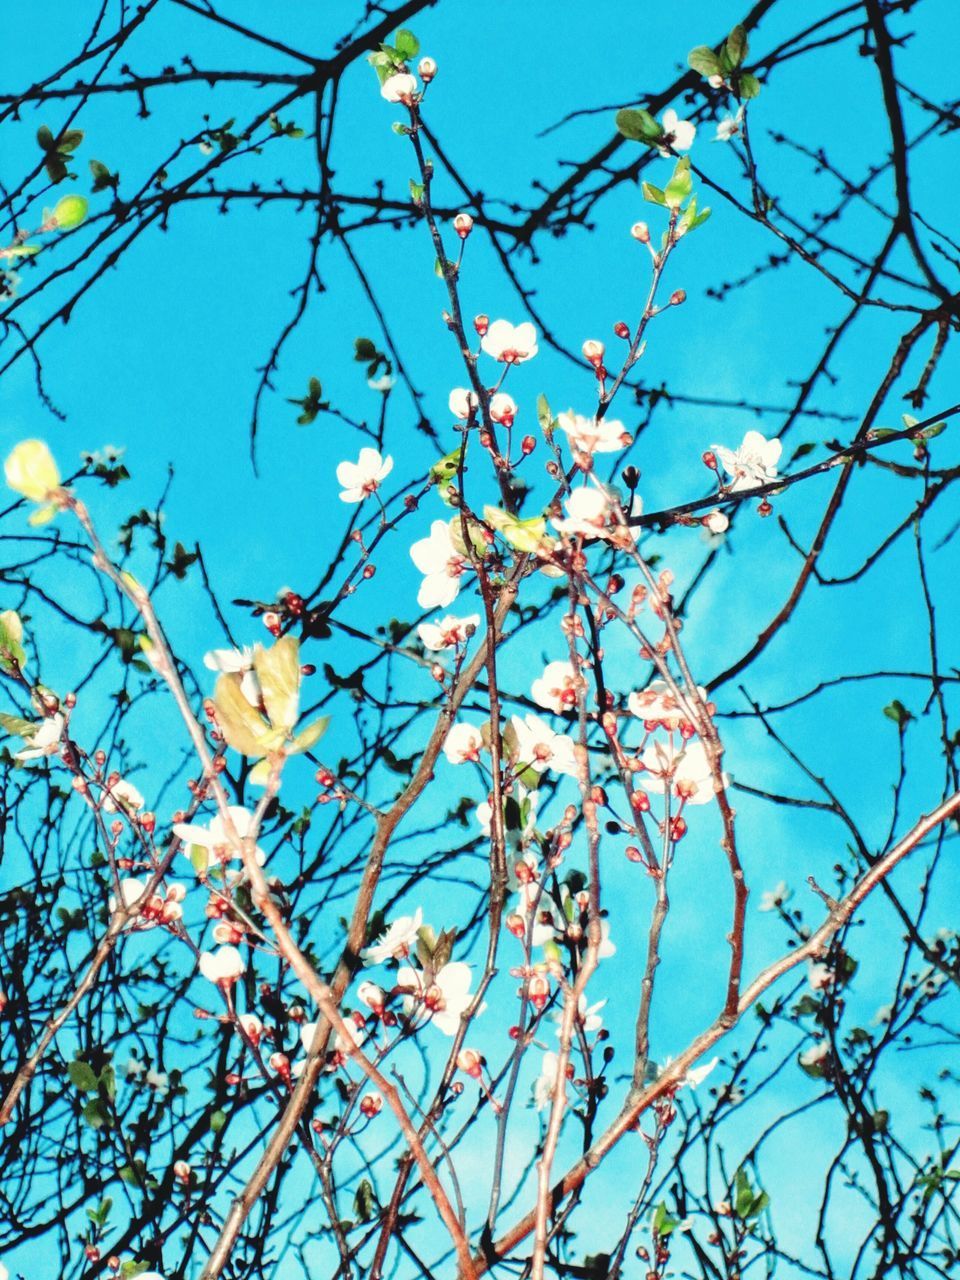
[[898, 713], [639, 125], [82, 1076], [69, 140], [663, 1224], [748, 86], [45, 138], [70, 211], [737, 45], [108, 1082], [406, 44], [95, 1114], [102, 177], [217, 1121], [446, 469], [55, 168], [416, 191], [704, 60], [652, 194], [680, 185], [365, 1201], [544, 415], [16, 726]]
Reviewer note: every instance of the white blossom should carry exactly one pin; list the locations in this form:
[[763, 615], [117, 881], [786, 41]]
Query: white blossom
[[448, 632], [658, 705], [587, 1016], [443, 1000], [45, 741], [679, 134], [556, 689], [442, 566], [510, 344], [539, 748], [590, 436], [400, 88], [236, 661], [363, 478], [214, 839], [503, 408], [122, 795], [131, 891], [729, 127], [753, 463], [462, 403], [546, 1081], [463, 743], [687, 770], [771, 899], [587, 511], [396, 942], [223, 966]]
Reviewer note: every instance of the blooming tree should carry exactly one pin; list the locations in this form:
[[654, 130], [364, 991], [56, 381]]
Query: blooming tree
[[407, 929]]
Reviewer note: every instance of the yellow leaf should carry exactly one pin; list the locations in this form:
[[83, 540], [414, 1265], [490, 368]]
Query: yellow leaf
[[241, 724], [278, 671], [309, 736], [31, 470]]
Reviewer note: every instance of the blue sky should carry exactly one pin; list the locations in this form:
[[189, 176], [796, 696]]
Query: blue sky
[[161, 359]]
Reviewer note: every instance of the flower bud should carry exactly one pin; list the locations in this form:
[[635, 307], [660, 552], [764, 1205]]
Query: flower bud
[[470, 1062], [516, 924], [621, 329], [709, 459], [764, 509], [280, 1063], [271, 621], [640, 231], [527, 445], [481, 323], [538, 990], [678, 297], [716, 522], [463, 225], [426, 69], [181, 1171], [593, 351], [371, 1104]]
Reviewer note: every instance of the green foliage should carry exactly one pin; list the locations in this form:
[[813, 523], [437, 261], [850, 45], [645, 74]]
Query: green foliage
[[749, 1201], [365, 1201], [365, 351], [639, 126], [311, 404], [663, 1224], [103, 179], [728, 63], [898, 713], [82, 1076], [57, 151]]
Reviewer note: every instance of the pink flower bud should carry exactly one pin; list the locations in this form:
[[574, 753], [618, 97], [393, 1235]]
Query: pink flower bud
[[481, 323], [427, 69], [371, 1104], [640, 231], [463, 225], [470, 1062], [621, 329], [678, 297], [593, 351]]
